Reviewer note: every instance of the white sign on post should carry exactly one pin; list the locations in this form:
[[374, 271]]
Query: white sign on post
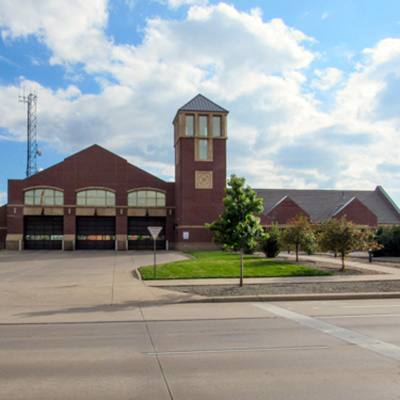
[[154, 231]]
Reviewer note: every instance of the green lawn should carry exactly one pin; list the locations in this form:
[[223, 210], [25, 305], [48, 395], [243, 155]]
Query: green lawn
[[226, 265]]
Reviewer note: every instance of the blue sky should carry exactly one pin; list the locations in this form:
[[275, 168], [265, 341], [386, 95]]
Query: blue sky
[[313, 87]]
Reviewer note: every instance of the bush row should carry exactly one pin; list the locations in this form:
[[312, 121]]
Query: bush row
[[389, 238]]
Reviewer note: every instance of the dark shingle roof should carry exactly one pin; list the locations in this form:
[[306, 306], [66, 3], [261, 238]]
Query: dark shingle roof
[[322, 204], [201, 103]]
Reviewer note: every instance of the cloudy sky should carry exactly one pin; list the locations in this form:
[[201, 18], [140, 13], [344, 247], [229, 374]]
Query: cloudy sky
[[313, 87]]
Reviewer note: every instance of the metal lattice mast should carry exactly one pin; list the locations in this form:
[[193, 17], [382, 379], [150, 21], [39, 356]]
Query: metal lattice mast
[[32, 150]]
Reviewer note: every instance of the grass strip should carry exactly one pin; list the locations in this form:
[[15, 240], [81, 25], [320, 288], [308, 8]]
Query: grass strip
[[226, 265]]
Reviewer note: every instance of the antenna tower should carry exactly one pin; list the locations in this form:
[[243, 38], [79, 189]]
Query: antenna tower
[[31, 166]]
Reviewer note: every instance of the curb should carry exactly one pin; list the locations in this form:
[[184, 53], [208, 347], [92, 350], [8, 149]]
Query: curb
[[136, 275], [298, 297]]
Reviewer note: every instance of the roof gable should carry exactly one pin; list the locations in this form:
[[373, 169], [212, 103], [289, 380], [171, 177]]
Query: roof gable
[[354, 210], [342, 207], [104, 160], [285, 209], [322, 204], [201, 103], [97, 150], [94, 165]]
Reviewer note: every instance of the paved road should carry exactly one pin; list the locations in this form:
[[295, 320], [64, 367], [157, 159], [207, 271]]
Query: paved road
[[78, 325], [295, 350]]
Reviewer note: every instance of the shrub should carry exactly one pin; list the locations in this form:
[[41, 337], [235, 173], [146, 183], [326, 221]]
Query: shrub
[[389, 238], [270, 246]]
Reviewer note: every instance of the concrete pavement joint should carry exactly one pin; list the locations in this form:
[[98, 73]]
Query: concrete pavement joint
[[297, 297], [383, 348], [155, 352], [113, 280], [168, 353], [360, 316]]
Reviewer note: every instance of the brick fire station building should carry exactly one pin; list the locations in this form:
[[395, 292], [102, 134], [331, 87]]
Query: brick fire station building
[[95, 199]]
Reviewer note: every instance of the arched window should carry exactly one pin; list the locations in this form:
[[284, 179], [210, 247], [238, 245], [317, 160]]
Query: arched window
[[146, 198], [44, 197], [95, 197]]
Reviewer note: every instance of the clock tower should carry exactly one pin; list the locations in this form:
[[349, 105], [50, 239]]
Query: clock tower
[[200, 134]]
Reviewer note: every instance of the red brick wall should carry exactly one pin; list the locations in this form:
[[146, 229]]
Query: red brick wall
[[195, 207], [92, 167], [285, 210], [358, 213]]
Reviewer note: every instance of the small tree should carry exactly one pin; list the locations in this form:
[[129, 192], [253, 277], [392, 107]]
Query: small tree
[[238, 228], [271, 245], [341, 236], [300, 234]]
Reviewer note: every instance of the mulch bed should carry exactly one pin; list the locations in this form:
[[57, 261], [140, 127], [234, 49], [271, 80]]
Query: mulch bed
[[300, 288], [290, 288]]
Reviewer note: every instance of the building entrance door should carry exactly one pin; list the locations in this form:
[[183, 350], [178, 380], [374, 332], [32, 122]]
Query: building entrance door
[[139, 237], [43, 232], [95, 233]]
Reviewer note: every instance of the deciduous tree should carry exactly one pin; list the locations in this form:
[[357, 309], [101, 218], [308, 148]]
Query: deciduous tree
[[341, 236], [237, 227], [300, 234]]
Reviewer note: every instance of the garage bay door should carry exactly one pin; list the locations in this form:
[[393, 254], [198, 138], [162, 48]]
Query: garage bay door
[[95, 233], [139, 237], [43, 233]]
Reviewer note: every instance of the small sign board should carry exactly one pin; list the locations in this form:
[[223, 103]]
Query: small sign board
[[154, 231]]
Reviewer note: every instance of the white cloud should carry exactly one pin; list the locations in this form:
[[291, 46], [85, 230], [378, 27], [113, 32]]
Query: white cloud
[[327, 78], [366, 97], [176, 60], [355, 146], [387, 51], [179, 3], [3, 198], [368, 110], [278, 135], [73, 30]]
